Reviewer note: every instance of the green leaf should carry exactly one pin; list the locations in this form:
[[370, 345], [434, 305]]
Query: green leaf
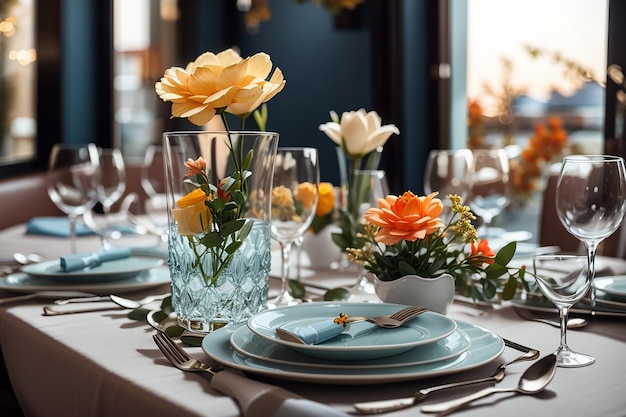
[[174, 330], [245, 230], [505, 254], [406, 268], [337, 294], [138, 314], [495, 270], [232, 248], [166, 305], [217, 204], [212, 239], [247, 159], [238, 197], [231, 227], [189, 340], [296, 289], [159, 316], [509, 289]]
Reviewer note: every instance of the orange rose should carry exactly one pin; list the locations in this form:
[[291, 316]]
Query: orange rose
[[326, 201], [192, 215], [407, 217]]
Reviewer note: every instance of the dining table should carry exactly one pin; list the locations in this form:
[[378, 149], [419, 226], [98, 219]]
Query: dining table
[[100, 362]]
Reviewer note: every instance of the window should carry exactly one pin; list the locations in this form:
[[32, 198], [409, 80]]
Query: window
[[17, 81]]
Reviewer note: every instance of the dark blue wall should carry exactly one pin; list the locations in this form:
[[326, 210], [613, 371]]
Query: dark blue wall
[[325, 68]]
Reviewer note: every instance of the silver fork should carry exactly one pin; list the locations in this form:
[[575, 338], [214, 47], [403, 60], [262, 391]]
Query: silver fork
[[178, 356], [394, 320]]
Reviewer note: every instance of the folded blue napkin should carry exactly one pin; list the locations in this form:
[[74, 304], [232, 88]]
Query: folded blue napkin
[[315, 332], [55, 226], [79, 261]]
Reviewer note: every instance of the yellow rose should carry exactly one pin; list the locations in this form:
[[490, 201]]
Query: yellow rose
[[192, 215], [326, 200], [306, 194], [219, 81]]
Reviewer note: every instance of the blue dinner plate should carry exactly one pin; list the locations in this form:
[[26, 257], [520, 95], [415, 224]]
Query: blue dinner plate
[[485, 347], [116, 270], [362, 340], [248, 344], [614, 286]]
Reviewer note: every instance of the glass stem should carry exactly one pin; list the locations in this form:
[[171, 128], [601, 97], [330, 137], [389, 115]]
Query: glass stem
[[591, 271], [72, 220], [285, 248], [563, 314]]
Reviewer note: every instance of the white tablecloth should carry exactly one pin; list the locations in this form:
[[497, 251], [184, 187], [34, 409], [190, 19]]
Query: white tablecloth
[[103, 364]]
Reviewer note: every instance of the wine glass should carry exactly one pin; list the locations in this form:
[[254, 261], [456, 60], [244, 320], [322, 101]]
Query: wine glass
[[447, 171], [294, 201], [112, 182], [153, 183], [591, 202], [368, 187], [489, 184], [110, 188], [72, 179], [564, 280]]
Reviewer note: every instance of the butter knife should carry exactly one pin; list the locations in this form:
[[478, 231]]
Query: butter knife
[[384, 406]]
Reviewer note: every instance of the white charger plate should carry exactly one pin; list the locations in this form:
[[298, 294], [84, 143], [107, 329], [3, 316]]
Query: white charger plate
[[108, 271], [249, 344], [614, 286], [485, 347], [24, 283], [362, 340]]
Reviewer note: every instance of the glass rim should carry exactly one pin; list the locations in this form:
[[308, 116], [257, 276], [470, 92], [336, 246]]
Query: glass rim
[[217, 132], [592, 158]]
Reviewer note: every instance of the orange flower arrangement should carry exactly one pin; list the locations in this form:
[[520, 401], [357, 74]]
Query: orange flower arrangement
[[404, 235], [547, 143]]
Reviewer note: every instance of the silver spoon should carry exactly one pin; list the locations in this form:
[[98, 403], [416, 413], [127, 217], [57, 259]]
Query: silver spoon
[[27, 258], [132, 304], [532, 381], [573, 323]]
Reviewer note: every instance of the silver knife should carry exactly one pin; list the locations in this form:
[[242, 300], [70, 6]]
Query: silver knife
[[384, 406]]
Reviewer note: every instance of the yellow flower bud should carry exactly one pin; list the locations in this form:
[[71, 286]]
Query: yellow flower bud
[[192, 215]]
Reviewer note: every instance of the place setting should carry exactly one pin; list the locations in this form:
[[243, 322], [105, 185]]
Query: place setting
[[425, 346], [101, 272]]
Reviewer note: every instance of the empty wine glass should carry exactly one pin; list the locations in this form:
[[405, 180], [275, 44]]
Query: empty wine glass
[[447, 171], [294, 201], [564, 280], [368, 187], [110, 188], [72, 180], [153, 183], [112, 182], [591, 201], [489, 184]]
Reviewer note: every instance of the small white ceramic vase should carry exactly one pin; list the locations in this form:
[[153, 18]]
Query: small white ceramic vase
[[435, 293]]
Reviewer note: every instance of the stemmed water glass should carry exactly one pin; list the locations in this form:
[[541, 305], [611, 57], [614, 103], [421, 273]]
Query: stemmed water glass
[[447, 171], [153, 183], [564, 280], [294, 201], [489, 184], [591, 202], [110, 188], [368, 187], [73, 172]]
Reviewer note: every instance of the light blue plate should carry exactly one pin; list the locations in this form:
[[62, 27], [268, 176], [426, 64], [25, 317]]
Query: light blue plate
[[362, 340], [614, 286], [24, 283], [248, 344], [116, 270], [485, 347]]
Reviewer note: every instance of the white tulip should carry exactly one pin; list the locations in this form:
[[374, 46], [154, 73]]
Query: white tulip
[[358, 133]]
